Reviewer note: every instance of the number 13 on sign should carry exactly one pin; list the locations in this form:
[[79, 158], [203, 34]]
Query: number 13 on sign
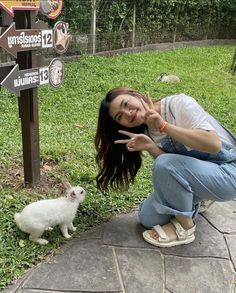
[[43, 75]]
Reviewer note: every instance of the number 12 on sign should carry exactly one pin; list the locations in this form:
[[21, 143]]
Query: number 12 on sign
[[47, 39]]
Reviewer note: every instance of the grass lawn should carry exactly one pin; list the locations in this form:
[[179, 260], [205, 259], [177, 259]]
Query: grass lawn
[[68, 118]]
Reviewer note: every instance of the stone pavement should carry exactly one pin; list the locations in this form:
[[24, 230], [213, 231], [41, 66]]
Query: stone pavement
[[113, 257]]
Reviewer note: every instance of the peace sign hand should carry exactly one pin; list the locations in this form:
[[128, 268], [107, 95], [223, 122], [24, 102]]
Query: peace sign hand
[[152, 118], [136, 142]]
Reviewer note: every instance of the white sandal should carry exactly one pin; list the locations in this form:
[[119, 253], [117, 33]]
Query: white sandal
[[184, 236]]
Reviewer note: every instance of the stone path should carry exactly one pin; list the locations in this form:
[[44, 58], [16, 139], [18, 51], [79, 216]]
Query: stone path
[[113, 257]]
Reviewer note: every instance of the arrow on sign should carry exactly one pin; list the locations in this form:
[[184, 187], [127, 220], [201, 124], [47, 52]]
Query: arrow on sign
[[9, 6], [19, 80], [13, 40]]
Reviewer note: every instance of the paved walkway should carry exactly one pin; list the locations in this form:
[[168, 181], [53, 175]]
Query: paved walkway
[[114, 258]]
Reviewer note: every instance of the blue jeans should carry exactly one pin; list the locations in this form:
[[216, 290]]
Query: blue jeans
[[180, 183]]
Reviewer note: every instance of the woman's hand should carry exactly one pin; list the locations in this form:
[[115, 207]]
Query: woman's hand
[[139, 142], [152, 118], [197, 139]]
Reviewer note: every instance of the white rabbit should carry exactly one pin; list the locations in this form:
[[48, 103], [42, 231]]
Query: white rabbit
[[168, 78], [44, 214]]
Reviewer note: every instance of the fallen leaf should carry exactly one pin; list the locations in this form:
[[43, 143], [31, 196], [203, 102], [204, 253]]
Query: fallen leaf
[[22, 243], [78, 125], [47, 167]]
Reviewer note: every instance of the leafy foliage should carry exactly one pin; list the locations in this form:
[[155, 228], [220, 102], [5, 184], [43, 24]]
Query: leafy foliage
[[156, 21]]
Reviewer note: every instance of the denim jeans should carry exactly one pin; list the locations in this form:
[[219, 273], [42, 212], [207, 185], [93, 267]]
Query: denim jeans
[[180, 182]]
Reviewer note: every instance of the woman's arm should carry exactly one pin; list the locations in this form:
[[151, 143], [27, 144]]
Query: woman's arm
[[140, 142], [197, 139], [194, 138]]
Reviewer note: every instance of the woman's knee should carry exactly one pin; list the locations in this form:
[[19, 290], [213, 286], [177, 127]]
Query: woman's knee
[[165, 161], [167, 164], [162, 166]]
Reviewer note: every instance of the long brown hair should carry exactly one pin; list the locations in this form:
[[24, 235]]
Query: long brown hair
[[117, 166]]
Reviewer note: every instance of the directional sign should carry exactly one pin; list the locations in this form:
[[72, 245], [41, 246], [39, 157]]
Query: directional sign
[[9, 6], [13, 40], [19, 80]]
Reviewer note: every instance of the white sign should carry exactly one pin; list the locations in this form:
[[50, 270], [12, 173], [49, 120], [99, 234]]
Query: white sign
[[47, 41]]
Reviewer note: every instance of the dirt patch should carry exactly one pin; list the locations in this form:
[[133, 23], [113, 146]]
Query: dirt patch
[[12, 176]]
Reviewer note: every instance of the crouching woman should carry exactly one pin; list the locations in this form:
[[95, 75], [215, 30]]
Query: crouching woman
[[194, 159]]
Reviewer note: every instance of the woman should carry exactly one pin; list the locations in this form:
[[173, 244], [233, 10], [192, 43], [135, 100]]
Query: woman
[[194, 159]]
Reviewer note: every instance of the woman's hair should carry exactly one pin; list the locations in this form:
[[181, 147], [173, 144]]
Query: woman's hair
[[117, 166]]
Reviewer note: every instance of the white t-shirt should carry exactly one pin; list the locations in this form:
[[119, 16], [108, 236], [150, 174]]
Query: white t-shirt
[[183, 111]]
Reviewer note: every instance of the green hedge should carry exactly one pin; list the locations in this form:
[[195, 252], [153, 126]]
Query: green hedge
[[156, 20]]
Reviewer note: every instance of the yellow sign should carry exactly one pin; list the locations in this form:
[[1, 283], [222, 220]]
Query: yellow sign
[[51, 8], [9, 6]]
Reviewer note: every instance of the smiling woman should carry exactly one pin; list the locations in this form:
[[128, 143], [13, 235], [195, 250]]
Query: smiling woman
[[127, 110], [118, 167], [192, 152]]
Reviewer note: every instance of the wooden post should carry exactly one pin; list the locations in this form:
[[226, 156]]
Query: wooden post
[[28, 107]]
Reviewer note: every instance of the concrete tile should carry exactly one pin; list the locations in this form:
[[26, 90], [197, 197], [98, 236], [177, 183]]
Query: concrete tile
[[124, 230], [93, 233], [16, 286], [222, 215], [11, 288], [198, 275], [141, 270], [231, 242], [84, 266], [208, 242]]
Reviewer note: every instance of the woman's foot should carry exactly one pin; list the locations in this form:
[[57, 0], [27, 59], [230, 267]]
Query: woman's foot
[[171, 234], [169, 229]]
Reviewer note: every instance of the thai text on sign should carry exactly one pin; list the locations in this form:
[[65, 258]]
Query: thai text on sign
[[14, 41]]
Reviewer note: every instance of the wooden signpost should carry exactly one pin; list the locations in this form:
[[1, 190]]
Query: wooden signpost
[[14, 41], [21, 39]]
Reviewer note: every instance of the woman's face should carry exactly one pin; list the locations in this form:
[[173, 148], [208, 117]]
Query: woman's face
[[127, 110]]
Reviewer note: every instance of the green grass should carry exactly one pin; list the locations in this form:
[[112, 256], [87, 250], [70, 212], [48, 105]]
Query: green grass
[[68, 118]]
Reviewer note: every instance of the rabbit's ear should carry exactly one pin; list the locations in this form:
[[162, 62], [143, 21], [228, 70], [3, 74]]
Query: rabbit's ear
[[72, 194], [66, 183]]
